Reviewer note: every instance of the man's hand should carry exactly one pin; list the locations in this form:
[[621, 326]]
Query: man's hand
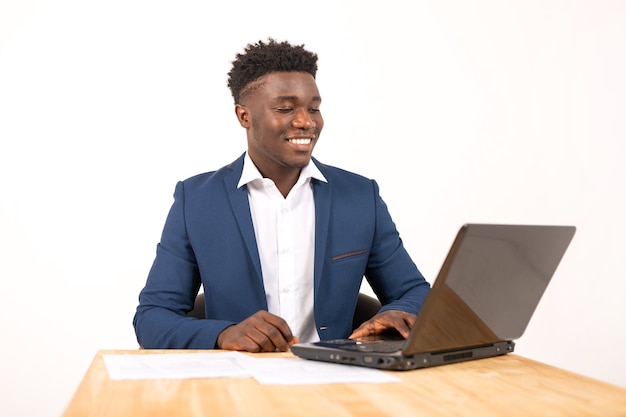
[[261, 332], [385, 321]]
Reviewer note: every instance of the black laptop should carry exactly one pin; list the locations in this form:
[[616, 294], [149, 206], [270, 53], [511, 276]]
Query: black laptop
[[482, 300]]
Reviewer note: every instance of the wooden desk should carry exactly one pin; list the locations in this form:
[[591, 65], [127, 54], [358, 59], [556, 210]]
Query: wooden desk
[[508, 385]]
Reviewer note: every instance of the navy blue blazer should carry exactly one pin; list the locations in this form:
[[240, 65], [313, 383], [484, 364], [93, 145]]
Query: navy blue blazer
[[208, 240]]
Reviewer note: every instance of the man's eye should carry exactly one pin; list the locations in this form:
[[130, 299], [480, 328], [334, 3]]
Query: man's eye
[[314, 110], [284, 109]]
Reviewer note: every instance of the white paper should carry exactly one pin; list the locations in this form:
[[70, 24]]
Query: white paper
[[174, 366], [276, 371], [302, 371]]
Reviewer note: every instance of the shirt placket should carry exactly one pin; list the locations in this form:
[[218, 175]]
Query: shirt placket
[[286, 284]]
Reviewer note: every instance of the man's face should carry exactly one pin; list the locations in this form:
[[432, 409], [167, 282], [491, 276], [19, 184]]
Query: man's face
[[283, 121]]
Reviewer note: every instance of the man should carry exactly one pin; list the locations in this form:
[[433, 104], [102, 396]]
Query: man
[[279, 241]]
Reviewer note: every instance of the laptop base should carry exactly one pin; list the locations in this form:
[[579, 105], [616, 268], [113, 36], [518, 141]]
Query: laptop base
[[397, 361]]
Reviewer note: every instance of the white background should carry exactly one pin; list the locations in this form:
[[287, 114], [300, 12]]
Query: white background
[[463, 111]]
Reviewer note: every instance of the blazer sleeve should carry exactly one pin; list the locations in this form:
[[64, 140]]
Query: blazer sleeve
[[390, 271], [173, 282]]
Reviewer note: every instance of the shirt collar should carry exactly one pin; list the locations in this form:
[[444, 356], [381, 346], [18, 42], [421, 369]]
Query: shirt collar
[[250, 172]]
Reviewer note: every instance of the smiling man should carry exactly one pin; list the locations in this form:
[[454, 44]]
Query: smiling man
[[283, 122], [279, 242]]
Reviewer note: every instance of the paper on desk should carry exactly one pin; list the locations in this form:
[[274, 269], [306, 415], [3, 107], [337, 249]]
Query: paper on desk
[[301, 371], [174, 366], [283, 371]]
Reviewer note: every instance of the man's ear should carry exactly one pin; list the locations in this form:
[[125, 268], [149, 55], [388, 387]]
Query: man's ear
[[242, 115]]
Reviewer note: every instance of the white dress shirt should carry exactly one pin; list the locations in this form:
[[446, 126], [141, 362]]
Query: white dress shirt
[[285, 236]]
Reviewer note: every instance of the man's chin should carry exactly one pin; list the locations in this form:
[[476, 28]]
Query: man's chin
[[299, 162]]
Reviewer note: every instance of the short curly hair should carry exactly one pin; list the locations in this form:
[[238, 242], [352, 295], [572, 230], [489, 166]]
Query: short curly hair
[[266, 57]]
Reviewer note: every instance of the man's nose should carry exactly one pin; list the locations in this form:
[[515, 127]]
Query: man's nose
[[302, 120]]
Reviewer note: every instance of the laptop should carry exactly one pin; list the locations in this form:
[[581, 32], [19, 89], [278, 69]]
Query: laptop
[[482, 300]]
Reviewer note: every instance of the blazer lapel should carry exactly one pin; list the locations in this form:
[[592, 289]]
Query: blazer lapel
[[241, 209], [321, 193]]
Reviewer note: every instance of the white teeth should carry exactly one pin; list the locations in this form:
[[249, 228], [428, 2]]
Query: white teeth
[[299, 141]]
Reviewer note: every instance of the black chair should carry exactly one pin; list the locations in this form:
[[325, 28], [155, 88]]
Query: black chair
[[366, 308]]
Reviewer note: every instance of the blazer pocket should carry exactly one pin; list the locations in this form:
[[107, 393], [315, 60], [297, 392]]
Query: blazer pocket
[[348, 255]]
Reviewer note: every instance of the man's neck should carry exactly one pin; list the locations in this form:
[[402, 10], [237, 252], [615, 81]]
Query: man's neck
[[285, 180], [284, 177]]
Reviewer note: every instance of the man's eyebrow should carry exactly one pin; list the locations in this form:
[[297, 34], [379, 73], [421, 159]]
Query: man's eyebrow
[[294, 98]]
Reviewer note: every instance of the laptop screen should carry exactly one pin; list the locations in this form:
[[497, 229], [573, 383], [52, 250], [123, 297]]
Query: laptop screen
[[489, 285]]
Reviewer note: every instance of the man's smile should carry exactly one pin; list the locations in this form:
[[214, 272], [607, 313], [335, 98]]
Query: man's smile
[[300, 141]]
